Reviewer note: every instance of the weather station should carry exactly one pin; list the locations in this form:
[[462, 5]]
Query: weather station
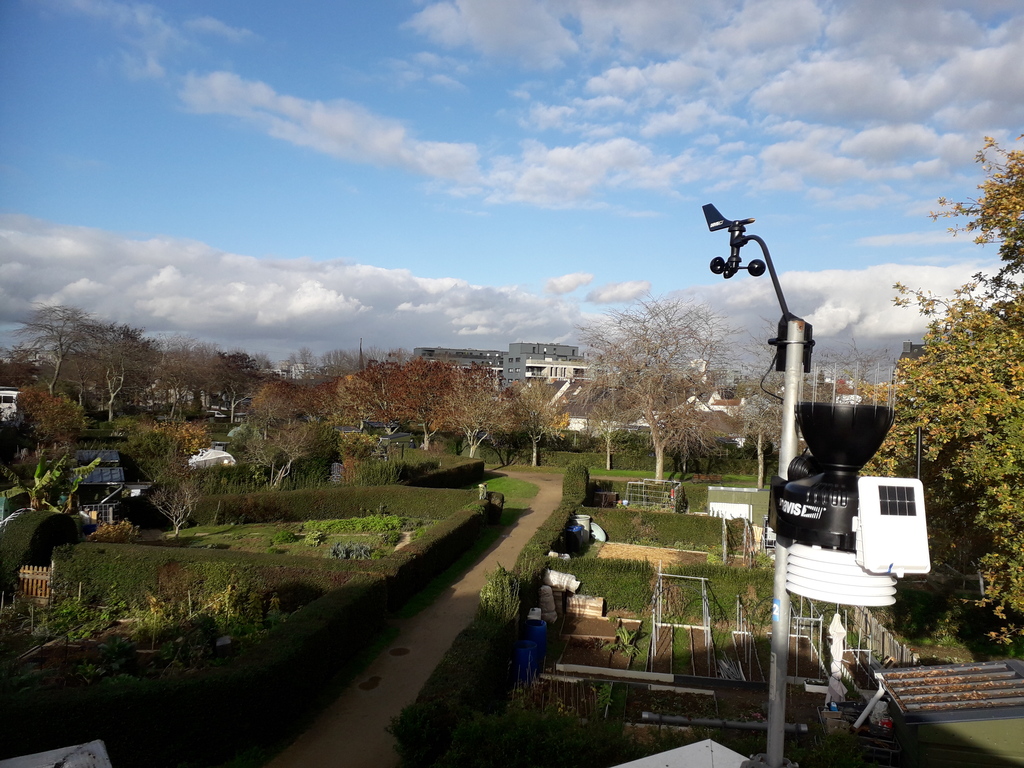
[[840, 537]]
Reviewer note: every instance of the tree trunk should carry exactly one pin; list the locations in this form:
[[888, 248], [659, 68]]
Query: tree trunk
[[535, 442], [659, 462], [608, 452], [760, 460]]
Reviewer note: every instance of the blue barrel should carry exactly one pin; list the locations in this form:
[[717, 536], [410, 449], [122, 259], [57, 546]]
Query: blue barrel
[[536, 630], [524, 661]]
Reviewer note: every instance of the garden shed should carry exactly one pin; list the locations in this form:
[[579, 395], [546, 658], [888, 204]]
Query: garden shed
[[959, 715], [748, 503]]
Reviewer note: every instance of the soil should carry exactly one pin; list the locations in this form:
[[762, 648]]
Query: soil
[[592, 653], [654, 555], [724, 704]]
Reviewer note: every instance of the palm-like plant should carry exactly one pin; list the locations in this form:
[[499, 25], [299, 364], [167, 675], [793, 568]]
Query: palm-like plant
[[53, 484]]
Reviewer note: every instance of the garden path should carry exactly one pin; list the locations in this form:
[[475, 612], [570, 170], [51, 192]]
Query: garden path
[[351, 732]]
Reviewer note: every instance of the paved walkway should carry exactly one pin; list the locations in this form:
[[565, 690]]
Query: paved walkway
[[351, 732]]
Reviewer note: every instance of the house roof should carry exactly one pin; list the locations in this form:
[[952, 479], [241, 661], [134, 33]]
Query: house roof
[[105, 456], [104, 476], [991, 690]]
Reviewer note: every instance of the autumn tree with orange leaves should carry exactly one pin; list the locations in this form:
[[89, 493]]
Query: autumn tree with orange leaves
[[966, 395]]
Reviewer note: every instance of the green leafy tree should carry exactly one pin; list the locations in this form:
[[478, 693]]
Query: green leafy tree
[[966, 394], [997, 216], [53, 484]]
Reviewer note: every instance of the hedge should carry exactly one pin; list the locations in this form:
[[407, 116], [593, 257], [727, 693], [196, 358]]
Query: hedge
[[472, 676], [205, 718], [131, 572], [663, 529], [454, 472], [29, 539], [331, 504]]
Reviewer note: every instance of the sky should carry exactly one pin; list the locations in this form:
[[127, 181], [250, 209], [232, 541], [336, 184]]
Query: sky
[[469, 173]]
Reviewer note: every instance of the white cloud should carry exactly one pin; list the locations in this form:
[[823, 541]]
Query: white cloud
[[212, 26], [568, 283], [619, 293], [841, 304], [339, 128], [524, 29], [275, 305]]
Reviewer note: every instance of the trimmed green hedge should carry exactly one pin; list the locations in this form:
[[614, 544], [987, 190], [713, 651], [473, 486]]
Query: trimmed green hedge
[[331, 504], [663, 529], [205, 718], [454, 472], [131, 572], [29, 539]]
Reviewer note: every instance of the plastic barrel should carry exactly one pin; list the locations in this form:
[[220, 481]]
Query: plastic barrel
[[524, 661], [574, 538], [536, 630]]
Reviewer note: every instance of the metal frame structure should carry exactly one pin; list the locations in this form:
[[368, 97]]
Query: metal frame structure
[[652, 493]]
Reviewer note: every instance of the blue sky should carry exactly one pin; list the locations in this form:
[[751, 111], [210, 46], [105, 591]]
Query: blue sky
[[475, 172]]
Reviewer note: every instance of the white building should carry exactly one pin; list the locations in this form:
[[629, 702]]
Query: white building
[[8, 403], [549, 362]]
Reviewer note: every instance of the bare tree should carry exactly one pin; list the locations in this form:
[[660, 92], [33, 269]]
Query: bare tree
[[177, 500], [123, 358], [474, 405], [533, 410], [657, 356], [186, 368], [606, 415], [55, 332]]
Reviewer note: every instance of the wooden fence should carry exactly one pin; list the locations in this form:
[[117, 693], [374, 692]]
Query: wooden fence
[[888, 650], [34, 582]]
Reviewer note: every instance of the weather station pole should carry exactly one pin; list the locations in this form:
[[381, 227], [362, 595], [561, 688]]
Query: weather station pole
[[795, 341]]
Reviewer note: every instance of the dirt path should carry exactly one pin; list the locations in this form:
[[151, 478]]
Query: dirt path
[[351, 733]]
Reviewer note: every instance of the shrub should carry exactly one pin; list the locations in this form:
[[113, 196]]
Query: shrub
[[575, 483], [330, 504], [122, 532], [30, 538], [226, 708], [284, 537], [377, 472], [346, 550]]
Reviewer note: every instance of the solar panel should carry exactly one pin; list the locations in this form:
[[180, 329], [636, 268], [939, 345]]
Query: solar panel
[[896, 500]]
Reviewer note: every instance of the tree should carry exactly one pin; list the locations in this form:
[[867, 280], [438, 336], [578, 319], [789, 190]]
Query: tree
[[658, 356], [177, 498], [474, 405], [55, 332], [422, 394], [53, 484], [237, 376], [123, 357], [997, 216], [606, 415], [966, 394], [54, 420], [375, 394], [185, 369], [533, 410]]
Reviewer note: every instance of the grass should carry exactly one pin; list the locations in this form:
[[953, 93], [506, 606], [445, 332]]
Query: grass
[[512, 488]]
